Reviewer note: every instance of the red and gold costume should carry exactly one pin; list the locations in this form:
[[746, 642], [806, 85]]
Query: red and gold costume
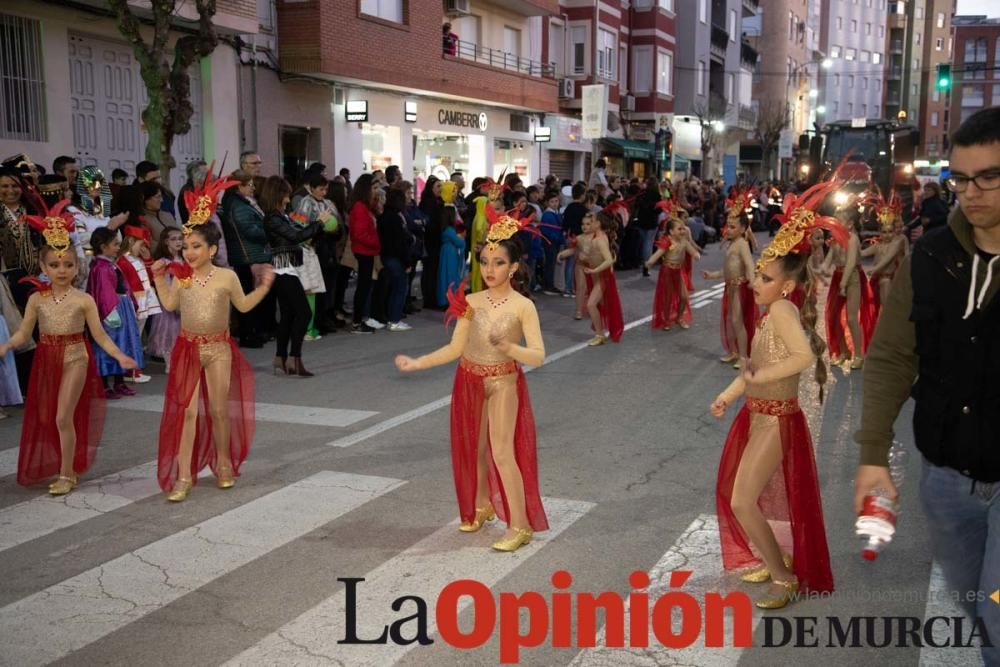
[[610, 306], [738, 306], [888, 249], [847, 260], [670, 286], [771, 419]]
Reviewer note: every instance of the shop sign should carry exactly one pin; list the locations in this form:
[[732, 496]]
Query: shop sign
[[357, 111], [463, 119], [595, 111]]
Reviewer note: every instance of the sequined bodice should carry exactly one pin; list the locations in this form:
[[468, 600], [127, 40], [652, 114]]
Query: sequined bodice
[[732, 268], [65, 317], [674, 254], [486, 321], [204, 309], [584, 247], [768, 348]]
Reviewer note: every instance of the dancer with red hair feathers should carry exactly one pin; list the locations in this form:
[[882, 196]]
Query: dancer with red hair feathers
[[674, 251], [493, 450], [767, 471], [208, 410], [64, 410], [603, 300], [889, 248]]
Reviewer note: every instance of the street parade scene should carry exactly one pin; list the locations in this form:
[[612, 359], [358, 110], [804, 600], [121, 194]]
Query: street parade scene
[[627, 332]]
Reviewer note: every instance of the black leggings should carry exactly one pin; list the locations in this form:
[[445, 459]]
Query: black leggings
[[363, 292], [295, 314]]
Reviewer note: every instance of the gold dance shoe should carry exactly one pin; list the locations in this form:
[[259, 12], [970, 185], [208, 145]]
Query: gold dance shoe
[[729, 359], [597, 340], [684, 325], [62, 486], [759, 575], [483, 514], [180, 490], [790, 589], [521, 537], [225, 478], [858, 363]]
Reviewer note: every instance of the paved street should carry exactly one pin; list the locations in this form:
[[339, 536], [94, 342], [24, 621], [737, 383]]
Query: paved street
[[350, 477]]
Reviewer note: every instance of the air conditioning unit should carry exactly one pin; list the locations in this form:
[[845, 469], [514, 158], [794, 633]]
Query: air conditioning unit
[[628, 102], [567, 89], [456, 7]]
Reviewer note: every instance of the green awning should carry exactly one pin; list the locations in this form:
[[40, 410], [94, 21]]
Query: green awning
[[638, 150]]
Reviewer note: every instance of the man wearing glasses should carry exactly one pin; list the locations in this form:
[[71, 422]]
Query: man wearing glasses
[[250, 162], [938, 340]]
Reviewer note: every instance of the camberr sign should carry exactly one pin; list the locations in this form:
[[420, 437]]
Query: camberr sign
[[474, 121]]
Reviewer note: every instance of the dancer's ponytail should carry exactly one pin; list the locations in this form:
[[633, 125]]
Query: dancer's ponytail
[[795, 267]]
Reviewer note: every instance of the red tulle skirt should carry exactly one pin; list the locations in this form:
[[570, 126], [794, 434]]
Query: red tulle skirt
[[836, 320], [40, 456], [467, 400], [792, 495], [186, 374], [748, 308], [877, 294], [667, 300], [610, 306]]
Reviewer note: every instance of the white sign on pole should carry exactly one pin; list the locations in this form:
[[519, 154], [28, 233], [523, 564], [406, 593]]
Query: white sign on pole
[[785, 144], [595, 111]]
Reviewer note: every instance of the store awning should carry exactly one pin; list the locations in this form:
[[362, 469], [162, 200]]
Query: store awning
[[637, 150]]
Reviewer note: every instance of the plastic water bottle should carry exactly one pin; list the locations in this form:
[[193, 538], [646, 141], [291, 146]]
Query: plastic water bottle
[[877, 523]]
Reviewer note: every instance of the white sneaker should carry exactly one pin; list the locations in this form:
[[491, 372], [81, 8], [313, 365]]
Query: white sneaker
[[399, 326], [3, 415], [311, 337], [374, 324], [138, 378]]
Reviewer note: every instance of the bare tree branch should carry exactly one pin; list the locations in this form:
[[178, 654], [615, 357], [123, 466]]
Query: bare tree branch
[[772, 118]]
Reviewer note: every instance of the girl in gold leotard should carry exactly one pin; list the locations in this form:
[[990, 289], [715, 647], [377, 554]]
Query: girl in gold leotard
[[493, 450]]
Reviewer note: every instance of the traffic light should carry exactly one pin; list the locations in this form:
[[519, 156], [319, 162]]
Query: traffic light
[[943, 76]]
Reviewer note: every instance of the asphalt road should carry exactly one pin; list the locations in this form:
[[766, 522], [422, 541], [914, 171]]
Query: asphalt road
[[350, 477]]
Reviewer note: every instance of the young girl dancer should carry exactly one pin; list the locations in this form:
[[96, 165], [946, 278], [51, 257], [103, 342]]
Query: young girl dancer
[[603, 301], [890, 248], [767, 471], [579, 248], [492, 428], [739, 312], [850, 290], [210, 390], [671, 303], [64, 413], [116, 306], [166, 326]]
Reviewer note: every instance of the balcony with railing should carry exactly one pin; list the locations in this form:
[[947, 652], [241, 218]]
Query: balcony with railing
[[748, 55], [750, 7], [895, 73], [896, 46], [720, 41], [747, 117], [495, 58]]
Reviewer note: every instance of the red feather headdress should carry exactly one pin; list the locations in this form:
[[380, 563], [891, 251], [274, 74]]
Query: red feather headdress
[[55, 225], [887, 211], [799, 220], [202, 201], [505, 225], [182, 272], [739, 201]]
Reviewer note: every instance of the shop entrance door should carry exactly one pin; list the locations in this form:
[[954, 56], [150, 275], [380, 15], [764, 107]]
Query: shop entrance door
[[300, 147]]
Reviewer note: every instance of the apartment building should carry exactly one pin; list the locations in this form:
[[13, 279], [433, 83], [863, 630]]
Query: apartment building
[[975, 66], [70, 84], [853, 35], [905, 65], [934, 113]]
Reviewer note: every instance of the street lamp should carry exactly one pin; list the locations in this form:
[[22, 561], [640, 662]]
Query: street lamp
[[827, 63], [813, 93], [719, 126], [820, 110]]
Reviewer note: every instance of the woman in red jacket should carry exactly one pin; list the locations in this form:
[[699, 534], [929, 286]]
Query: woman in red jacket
[[365, 246]]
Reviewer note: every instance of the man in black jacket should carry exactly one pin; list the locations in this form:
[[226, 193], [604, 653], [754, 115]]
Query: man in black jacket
[[938, 340]]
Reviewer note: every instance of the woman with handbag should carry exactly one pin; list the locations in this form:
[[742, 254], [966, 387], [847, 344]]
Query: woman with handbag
[[286, 238]]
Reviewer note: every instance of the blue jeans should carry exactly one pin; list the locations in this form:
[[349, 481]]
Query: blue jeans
[[397, 287], [964, 519], [648, 237], [568, 274]]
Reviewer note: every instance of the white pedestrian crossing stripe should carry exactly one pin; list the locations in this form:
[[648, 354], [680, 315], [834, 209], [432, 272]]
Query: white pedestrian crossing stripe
[[42, 515], [265, 412], [422, 570], [67, 616], [8, 461]]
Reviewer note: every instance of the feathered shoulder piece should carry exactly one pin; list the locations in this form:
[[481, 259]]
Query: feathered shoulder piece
[[799, 220], [202, 201], [182, 272], [505, 225], [55, 225], [664, 243], [458, 305], [42, 287], [666, 205], [618, 205]]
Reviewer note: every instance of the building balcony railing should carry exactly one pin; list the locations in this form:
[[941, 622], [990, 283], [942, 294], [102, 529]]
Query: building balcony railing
[[892, 101], [747, 117], [895, 73], [750, 7], [720, 38], [896, 46], [511, 62], [748, 55]]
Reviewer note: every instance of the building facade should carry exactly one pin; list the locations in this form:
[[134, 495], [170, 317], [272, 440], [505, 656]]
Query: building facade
[[905, 64], [70, 85], [934, 120], [975, 66], [852, 38]]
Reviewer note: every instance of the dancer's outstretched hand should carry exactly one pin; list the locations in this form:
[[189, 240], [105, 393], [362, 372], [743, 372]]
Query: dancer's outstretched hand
[[406, 364], [126, 362], [159, 268], [718, 408]]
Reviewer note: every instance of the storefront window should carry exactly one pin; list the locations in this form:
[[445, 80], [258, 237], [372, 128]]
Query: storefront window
[[512, 156], [379, 146]]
